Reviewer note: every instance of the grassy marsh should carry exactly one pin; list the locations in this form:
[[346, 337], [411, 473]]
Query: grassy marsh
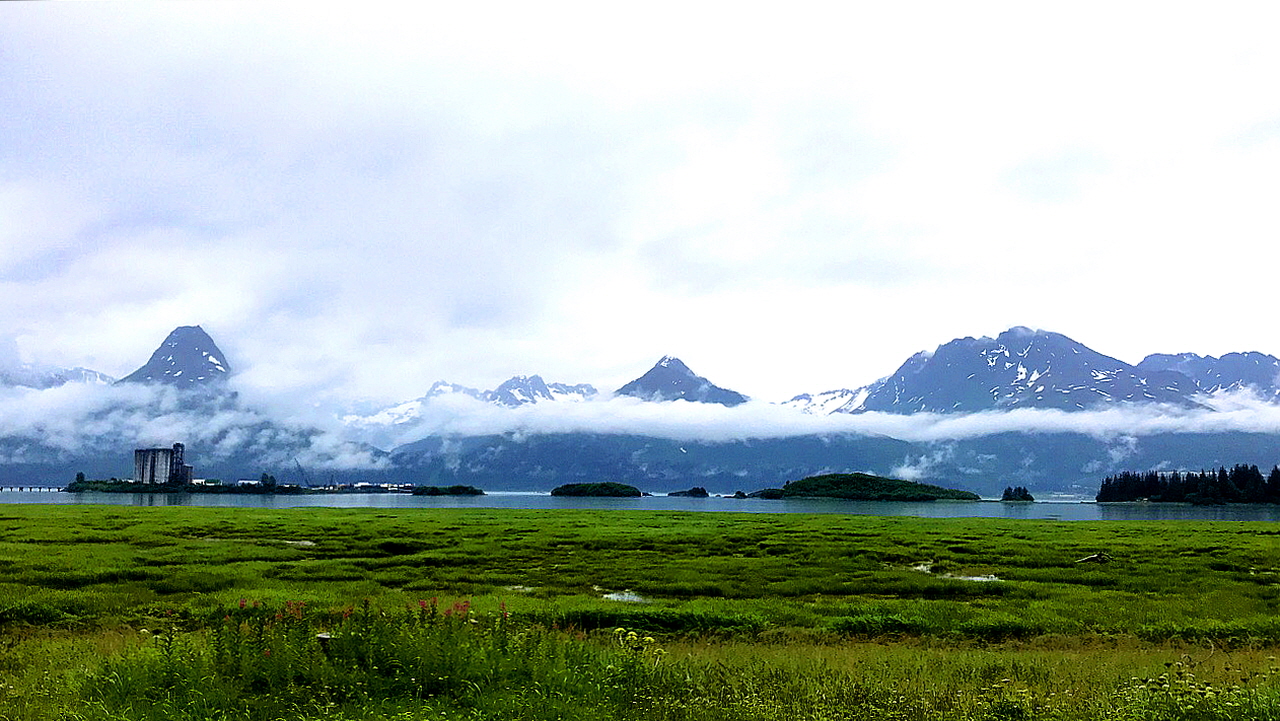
[[756, 616]]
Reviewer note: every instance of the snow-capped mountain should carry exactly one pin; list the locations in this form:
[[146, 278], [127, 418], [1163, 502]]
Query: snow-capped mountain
[[45, 377], [843, 400], [514, 392], [1020, 368], [1257, 372], [670, 379], [532, 389], [188, 358]]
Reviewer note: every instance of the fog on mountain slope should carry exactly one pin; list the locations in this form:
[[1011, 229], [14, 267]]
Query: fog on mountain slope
[[1023, 368], [976, 412], [16, 373]]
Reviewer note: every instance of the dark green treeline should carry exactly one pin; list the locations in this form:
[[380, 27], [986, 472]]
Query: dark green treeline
[[1240, 484]]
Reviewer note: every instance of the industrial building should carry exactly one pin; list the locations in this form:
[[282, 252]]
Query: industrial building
[[161, 465]]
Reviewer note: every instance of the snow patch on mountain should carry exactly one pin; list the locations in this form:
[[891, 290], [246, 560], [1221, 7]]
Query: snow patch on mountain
[[187, 358], [28, 375], [671, 380], [513, 393], [844, 400], [1025, 368]]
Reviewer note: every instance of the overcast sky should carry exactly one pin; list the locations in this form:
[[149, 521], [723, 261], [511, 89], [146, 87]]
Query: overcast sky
[[356, 200]]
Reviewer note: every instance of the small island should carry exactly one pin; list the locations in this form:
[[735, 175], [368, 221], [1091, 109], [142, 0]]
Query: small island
[[447, 491], [863, 487], [695, 492], [1017, 494], [606, 489]]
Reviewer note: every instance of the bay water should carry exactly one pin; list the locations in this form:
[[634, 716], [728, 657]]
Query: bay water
[[1058, 510]]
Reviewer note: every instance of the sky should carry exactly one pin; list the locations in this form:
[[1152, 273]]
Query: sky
[[356, 200]]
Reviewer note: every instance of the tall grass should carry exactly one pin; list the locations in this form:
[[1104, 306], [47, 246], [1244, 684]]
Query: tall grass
[[260, 662], [135, 613]]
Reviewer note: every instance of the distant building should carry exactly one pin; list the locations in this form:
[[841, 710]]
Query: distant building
[[161, 465]]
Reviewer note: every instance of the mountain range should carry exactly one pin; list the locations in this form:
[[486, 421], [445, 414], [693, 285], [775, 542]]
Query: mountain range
[[27, 375], [1024, 368], [1018, 369]]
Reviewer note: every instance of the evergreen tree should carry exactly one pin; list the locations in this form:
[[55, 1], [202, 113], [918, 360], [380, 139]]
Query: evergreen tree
[[1241, 484]]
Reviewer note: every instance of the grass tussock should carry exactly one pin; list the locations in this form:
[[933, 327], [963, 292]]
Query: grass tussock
[[433, 661]]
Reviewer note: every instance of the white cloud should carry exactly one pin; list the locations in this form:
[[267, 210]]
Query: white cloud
[[359, 201], [1120, 426], [78, 420]]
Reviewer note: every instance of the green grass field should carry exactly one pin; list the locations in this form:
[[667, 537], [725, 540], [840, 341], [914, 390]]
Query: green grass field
[[145, 613]]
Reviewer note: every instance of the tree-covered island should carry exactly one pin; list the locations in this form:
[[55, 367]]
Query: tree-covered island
[[864, 487], [1017, 494], [606, 489], [447, 491]]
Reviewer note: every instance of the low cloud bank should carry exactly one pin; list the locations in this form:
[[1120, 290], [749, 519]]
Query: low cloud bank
[[681, 420], [76, 419]]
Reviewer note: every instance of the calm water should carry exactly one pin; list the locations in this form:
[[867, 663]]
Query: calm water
[[1065, 511]]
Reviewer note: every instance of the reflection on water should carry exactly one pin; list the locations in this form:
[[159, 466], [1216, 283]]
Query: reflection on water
[[1057, 511], [1181, 512]]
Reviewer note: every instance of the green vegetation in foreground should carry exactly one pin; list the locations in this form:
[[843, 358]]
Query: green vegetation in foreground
[[864, 487], [192, 613], [607, 489], [447, 491]]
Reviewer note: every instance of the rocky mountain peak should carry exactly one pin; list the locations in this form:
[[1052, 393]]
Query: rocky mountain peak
[[187, 358], [670, 379]]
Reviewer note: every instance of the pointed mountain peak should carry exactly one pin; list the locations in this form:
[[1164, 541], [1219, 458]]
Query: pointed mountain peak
[[670, 379], [187, 358]]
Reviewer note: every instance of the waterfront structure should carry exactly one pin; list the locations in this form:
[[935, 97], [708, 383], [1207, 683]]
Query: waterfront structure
[[161, 465]]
